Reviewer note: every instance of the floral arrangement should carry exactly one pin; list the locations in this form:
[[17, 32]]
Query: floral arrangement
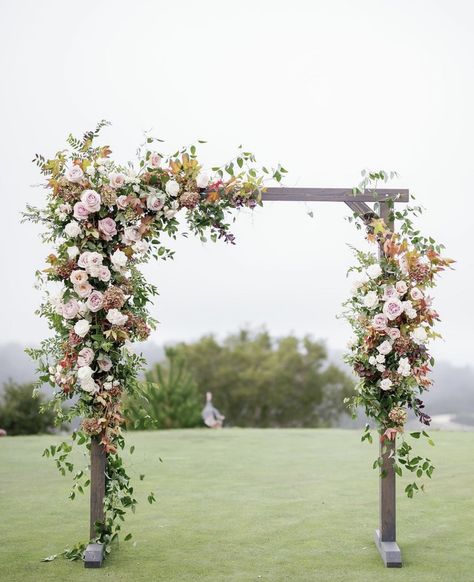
[[104, 221], [392, 317]]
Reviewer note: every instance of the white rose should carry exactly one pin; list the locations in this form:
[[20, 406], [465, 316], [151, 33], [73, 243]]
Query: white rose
[[118, 260], [82, 327], [404, 368], [72, 252], [416, 294], [74, 173], [84, 373], [140, 247], [386, 384], [374, 271], [154, 160], [202, 180], [72, 229], [385, 348], [370, 299], [373, 361], [90, 170], [380, 358], [115, 317], [89, 386], [419, 335], [380, 367], [172, 188]]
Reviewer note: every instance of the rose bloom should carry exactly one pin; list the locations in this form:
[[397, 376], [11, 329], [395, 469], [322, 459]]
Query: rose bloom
[[154, 160], [130, 235], [78, 277], [393, 333], [419, 335], [91, 200], [374, 271], [117, 180], [122, 201], [416, 294], [393, 308], [379, 322], [82, 327], [154, 203], [371, 299], [83, 260], [118, 259], [401, 287], [140, 247], [83, 289], [72, 229], [95, 301], [202, 180], [172, 188], [74, 174], [108, 228], [386, 384], [104, 274], [104, 362], [70, 309], [389, 292], [80, 211], [86, 357], [115, 317], [384, 348], [82, 308], [72, 252]]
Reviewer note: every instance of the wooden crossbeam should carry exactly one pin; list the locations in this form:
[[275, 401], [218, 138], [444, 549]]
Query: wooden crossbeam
[[334, 195]]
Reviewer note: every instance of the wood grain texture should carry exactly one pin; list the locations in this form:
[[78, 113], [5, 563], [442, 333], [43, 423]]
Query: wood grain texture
[[333, 195], [98, 463]]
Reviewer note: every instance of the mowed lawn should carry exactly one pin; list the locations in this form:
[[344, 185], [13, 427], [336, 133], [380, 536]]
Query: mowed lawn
[[243, 505]]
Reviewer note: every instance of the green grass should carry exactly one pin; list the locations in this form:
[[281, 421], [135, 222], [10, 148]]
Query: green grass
[[243, 505]]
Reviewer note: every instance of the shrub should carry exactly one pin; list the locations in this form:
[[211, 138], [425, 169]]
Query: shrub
[[20, 411]]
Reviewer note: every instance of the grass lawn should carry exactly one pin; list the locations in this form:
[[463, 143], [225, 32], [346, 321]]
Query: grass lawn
[[244, 505]]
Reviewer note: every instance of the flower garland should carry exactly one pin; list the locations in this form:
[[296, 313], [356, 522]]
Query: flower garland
[[105, 220], [392, 317]]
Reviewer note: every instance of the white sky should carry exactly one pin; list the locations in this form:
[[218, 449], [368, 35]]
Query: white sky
[[326, 88]]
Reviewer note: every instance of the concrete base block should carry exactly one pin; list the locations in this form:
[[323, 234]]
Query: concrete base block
[[390, 552]]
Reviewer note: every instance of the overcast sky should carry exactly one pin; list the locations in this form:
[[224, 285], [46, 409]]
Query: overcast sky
[[325, 88]]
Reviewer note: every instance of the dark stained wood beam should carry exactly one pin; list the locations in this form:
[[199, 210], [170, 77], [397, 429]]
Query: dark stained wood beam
[[334, 195]]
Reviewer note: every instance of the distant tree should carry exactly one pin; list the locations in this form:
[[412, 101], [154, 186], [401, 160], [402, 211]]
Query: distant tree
[[257, 381], [20, 411], [169, 398]]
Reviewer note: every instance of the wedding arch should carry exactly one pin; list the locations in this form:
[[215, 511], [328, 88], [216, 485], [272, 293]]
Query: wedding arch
[[105, 220]]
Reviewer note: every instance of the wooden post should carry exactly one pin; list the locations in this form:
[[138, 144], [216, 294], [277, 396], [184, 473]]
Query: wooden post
[[385, 537], [94, 553]]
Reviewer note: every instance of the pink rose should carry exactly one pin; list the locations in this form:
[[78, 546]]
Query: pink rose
[[122, 201], [70, 309], [393, 308], [130, 235], [95, 301], [104, 274], [78, 277], [379, 322], [401, 287], [108, 228], [74, 174], [416, 294], [154, 160], [105, 363], [86, 356], [83, 289], [117, 180], [83, 260], [80, 211], [389, 293], [154, 203], [393, 333], [91, 200]]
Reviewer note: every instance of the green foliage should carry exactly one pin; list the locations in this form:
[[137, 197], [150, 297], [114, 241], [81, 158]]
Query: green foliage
[[263, 382], [21, 412], [168, 399]]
